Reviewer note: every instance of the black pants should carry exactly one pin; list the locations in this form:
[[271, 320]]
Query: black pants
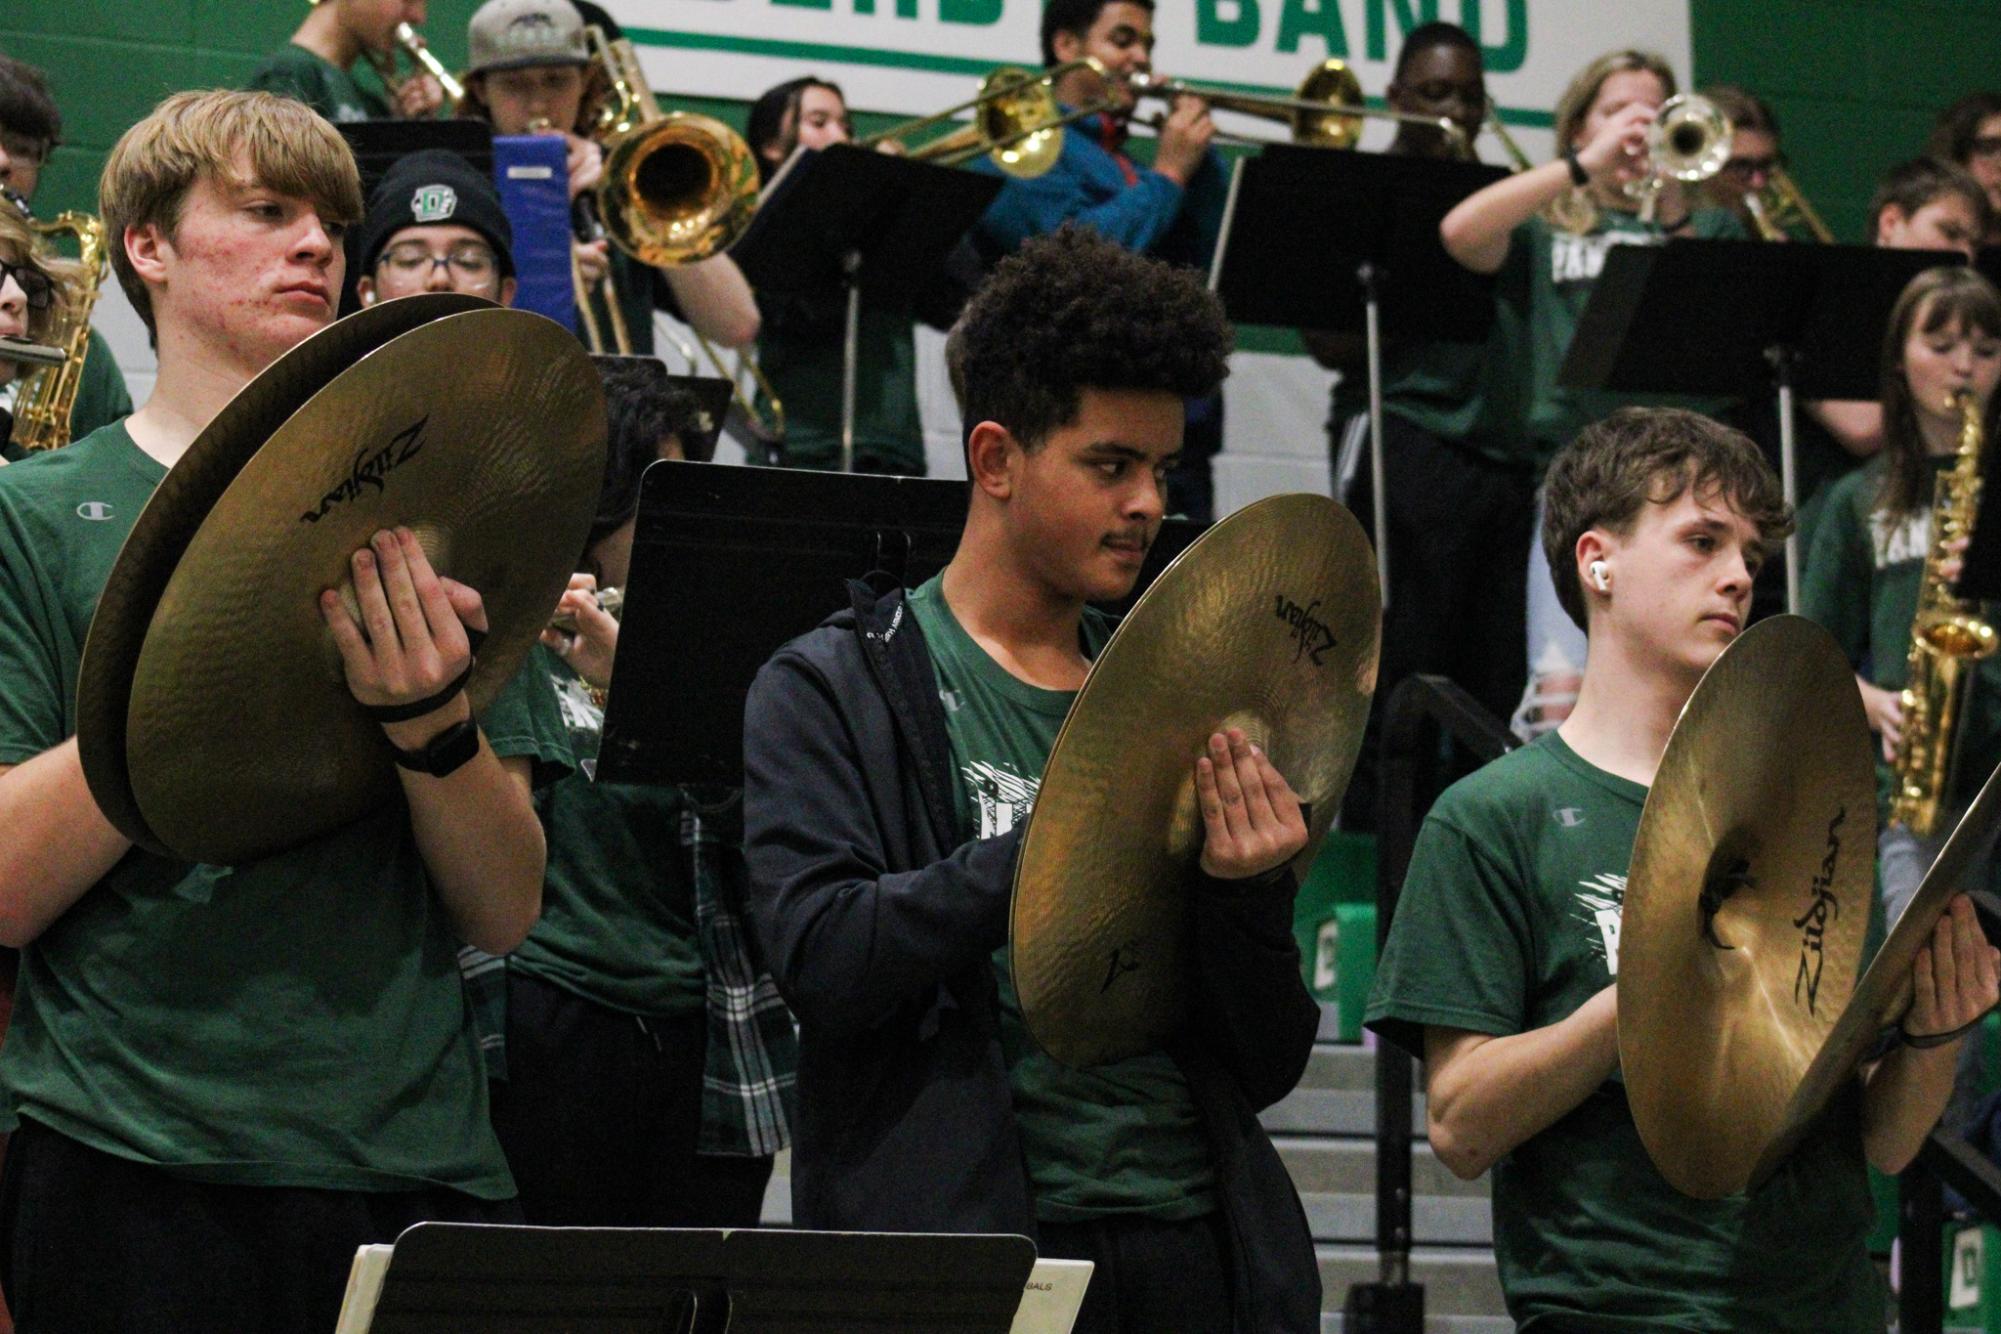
[[1460, 528], [95, 1244], [1150, 1276], [600, 1115]]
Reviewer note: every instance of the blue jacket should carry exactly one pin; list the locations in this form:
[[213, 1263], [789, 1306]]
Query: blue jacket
[[1095, 183]]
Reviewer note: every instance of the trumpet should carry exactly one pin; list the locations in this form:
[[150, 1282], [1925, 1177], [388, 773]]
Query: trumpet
[[1325, 111], [1689, 141], [1016, 123], [1781, 205]]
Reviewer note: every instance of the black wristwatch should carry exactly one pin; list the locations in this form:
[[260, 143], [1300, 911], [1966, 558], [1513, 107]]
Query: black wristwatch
[[1578, 176], [445, 752]]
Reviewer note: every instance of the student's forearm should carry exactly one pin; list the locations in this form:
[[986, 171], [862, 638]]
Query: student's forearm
[[1490, 1095], [716, 299], [58, 843], [1856, 424], [1477, 230], [482, 846], [1904, 1095]]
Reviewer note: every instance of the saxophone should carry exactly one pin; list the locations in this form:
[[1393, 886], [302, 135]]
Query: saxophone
[[1948, 640], [41, 413]]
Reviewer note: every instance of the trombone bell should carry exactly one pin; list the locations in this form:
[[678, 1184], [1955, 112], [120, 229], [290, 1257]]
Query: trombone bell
[[678, 189]]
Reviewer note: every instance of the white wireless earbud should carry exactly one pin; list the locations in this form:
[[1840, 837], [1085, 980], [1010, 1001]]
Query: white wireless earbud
[[1601, 576]]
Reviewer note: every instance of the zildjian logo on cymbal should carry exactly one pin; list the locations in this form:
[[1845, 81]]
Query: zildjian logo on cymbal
[[1813, 922], [1309, 632], [372, 468]]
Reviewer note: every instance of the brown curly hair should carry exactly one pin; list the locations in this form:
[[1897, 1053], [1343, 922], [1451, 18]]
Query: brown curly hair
[[1070, 311], [1641, 456]]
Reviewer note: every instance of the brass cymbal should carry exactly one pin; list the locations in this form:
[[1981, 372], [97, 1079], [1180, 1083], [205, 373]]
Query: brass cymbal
[[1884, 993], [484, 433], [1270, 622], [1766, 799], [176, 509]]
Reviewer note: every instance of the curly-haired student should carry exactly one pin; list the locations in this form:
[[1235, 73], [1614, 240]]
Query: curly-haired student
[[891, 758]]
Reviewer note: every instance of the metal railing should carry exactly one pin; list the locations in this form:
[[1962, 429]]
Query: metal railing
[[1421, 710]]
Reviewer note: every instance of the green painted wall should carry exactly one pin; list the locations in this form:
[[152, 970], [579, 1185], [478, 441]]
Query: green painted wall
[[1855, 82]]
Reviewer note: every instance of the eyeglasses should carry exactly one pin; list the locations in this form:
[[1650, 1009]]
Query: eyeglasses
[[474, 263], [1754, 166], [35, 286]]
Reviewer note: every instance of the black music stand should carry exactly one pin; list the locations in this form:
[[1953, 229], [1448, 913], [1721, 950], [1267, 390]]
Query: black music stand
[[728, 563], [529, 1280], [1731, 317], [1374, 232], [850, 219]]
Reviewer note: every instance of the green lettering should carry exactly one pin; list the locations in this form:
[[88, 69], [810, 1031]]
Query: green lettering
[[820, 4], [906, 9], [1213, 28], [1408, 15], [977, 12], [1510, 55], [1320, 18]]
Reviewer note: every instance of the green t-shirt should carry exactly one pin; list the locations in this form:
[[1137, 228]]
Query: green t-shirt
[[801, 351], [1548, 294], [1509, 921], [101, 396], [293, 71], [296, 1021], [1121, 1139], [618, 911], [1861, 581]]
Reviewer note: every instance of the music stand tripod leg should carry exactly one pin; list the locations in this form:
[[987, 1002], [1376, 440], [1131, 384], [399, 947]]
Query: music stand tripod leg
[[1370, 277], [851, 264], [1783, 361]]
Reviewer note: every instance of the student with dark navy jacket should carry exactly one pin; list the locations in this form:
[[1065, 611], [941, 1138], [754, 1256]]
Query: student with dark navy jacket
[[891, 758]]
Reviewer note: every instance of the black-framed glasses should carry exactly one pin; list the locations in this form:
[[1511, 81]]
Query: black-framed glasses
[[472, 262], [35, 286], [1752, 166]]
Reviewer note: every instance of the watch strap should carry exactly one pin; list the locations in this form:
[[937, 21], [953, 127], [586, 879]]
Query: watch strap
[[444, 753]]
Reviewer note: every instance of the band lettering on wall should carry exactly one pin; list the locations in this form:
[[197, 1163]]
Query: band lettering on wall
[[917, 55]]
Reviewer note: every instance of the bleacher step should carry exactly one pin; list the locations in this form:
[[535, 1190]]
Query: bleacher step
[[1348, 1166], [1457, 1280], [1437, 1220], [1333, 1322]]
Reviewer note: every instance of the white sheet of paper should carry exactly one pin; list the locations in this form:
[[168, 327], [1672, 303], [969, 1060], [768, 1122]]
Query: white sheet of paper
[[1053, 1296]]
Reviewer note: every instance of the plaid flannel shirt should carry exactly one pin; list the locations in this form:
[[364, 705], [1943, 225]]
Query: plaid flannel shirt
[[748, 1081]]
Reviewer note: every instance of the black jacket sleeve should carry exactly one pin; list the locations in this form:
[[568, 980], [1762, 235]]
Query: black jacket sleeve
[[1252, 1010], [848, 941]]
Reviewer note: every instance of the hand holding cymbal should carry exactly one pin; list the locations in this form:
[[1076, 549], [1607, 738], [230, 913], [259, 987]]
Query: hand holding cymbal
[[1250, 818], [406, 640]]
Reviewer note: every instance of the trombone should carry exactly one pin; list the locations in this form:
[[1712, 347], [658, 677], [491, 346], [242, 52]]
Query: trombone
[[1776, 208], [1325, 111], [1518, 161], [677, 188], [1016, 123]]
